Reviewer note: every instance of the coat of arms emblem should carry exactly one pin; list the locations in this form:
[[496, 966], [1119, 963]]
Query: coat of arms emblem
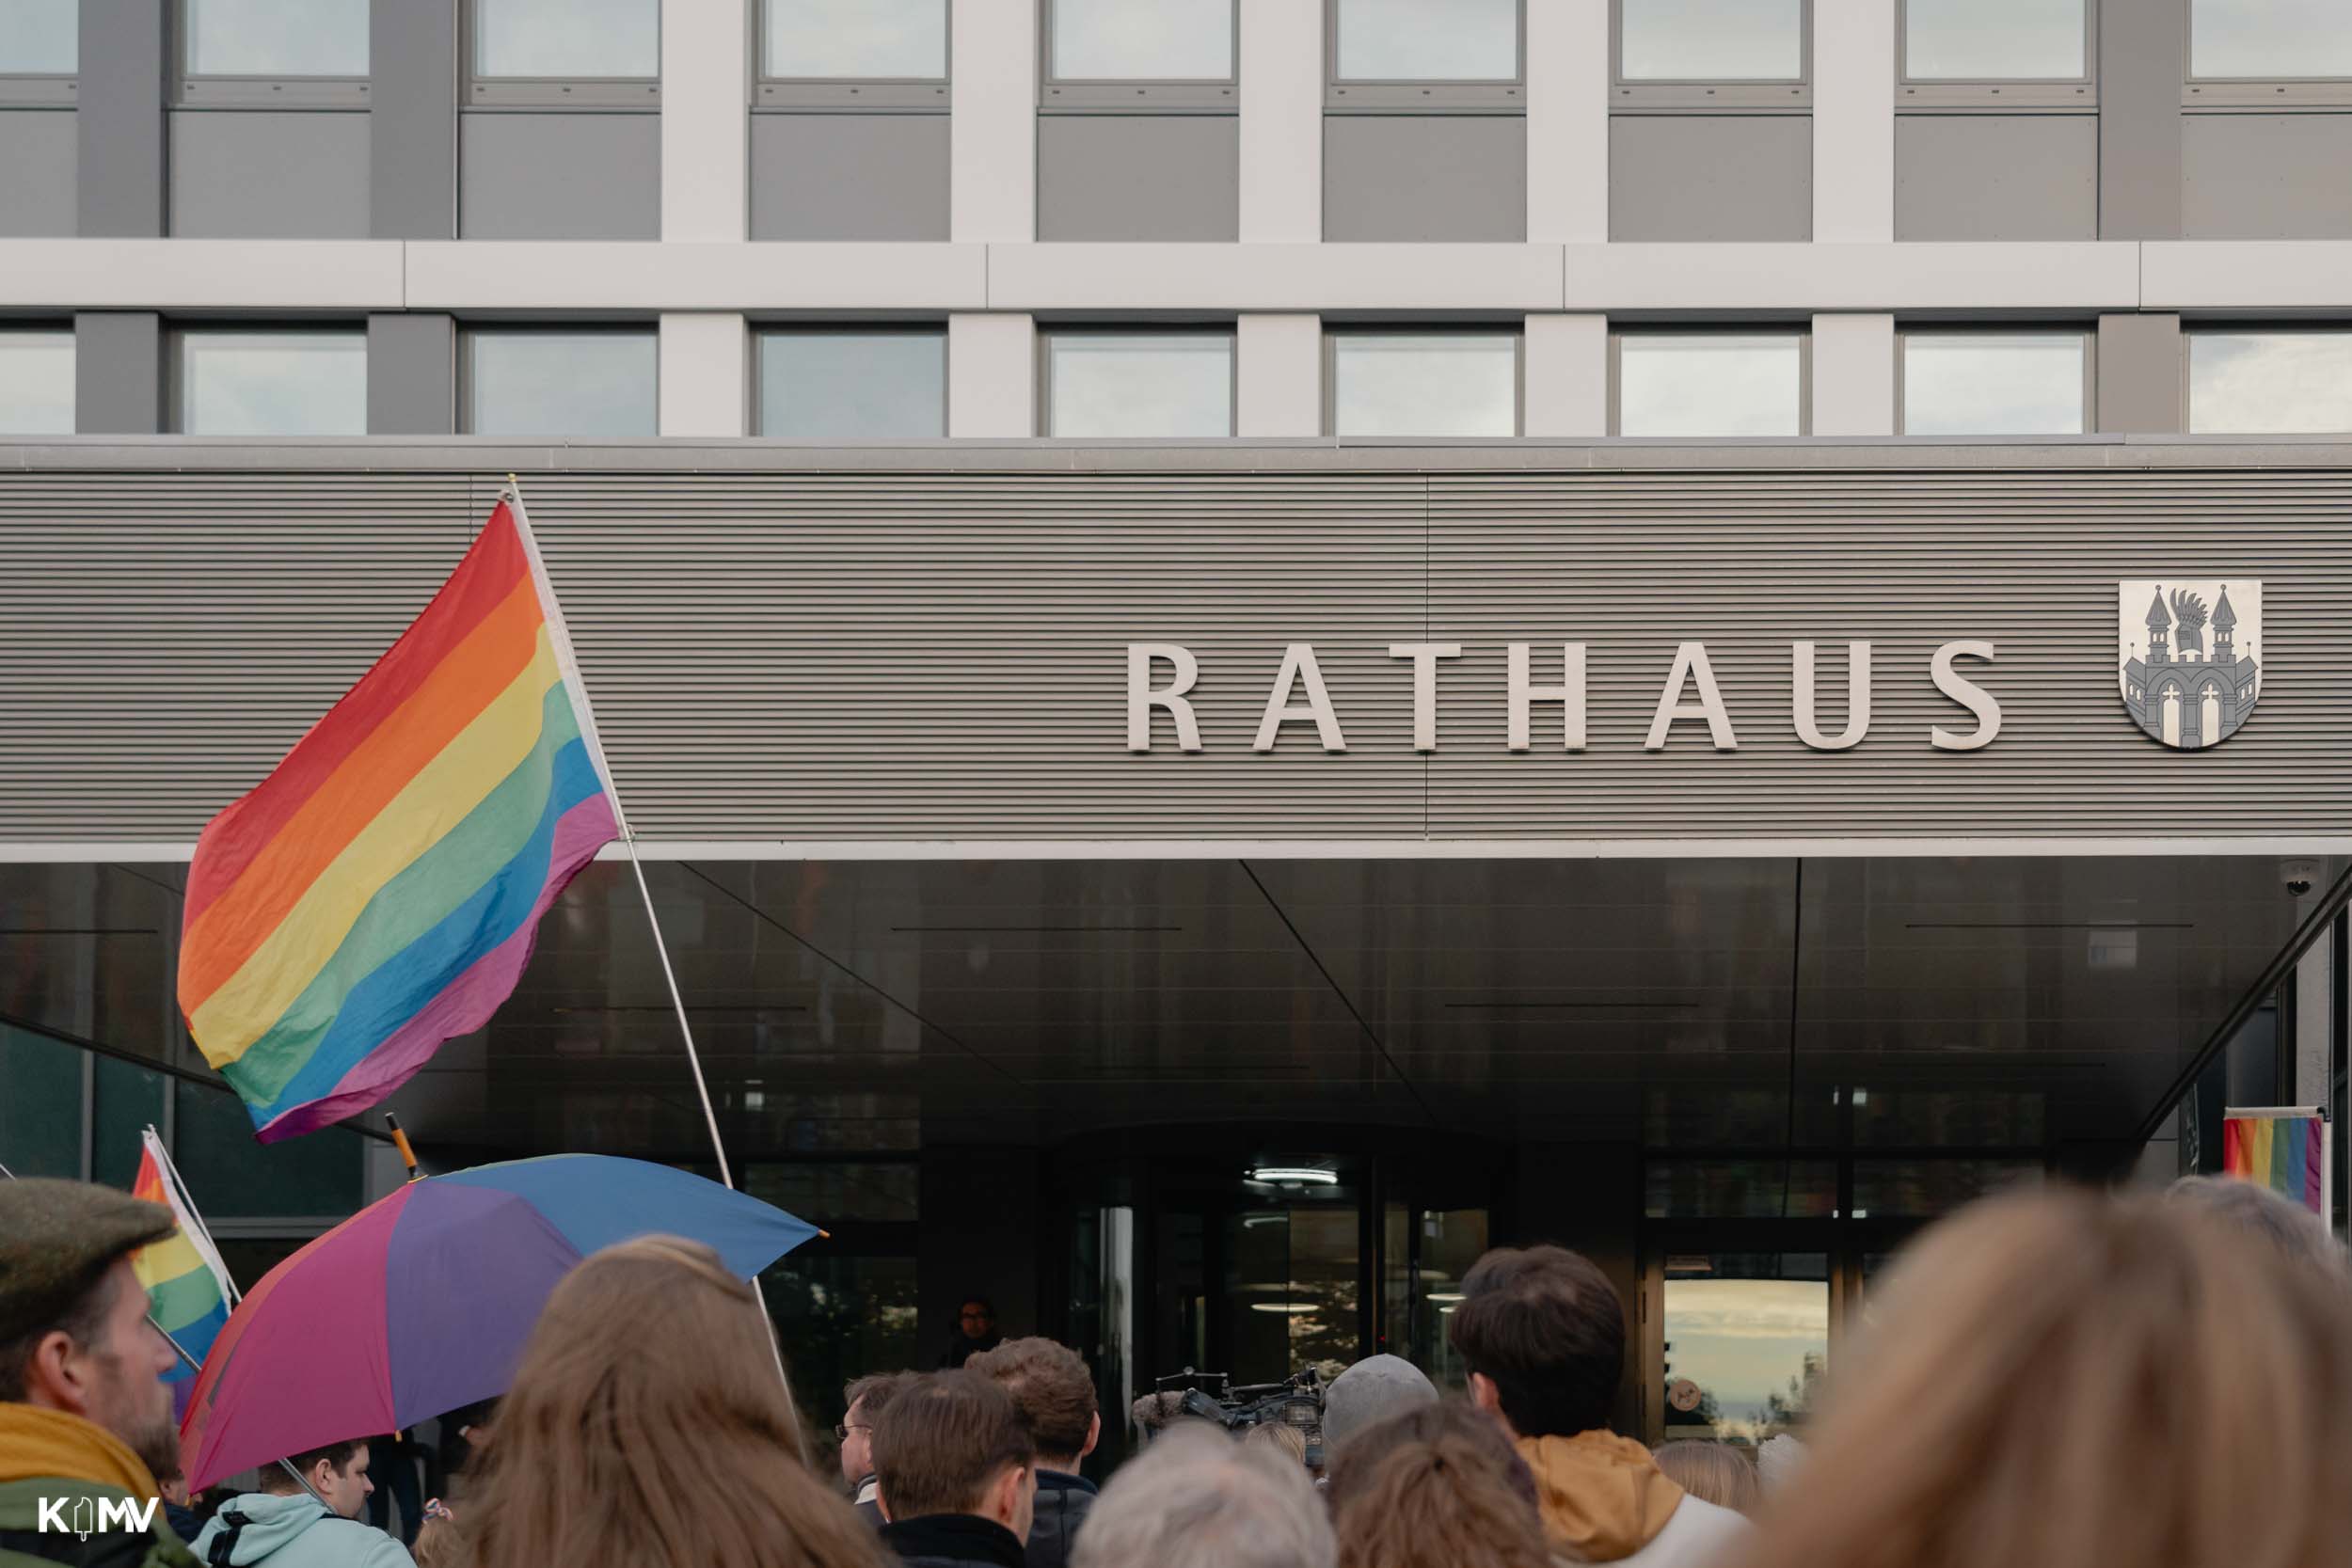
[[2188, 668]]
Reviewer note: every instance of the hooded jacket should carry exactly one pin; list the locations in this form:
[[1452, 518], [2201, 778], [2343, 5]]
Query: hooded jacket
[[50, 1458], [295, 1530], [1062, 1502], [1604, 1499]]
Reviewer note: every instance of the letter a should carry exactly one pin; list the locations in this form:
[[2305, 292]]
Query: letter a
[[1690, 665], [1298, 664]]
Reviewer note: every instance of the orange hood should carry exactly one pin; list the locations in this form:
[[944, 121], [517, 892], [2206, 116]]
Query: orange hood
[[1603, 1497]]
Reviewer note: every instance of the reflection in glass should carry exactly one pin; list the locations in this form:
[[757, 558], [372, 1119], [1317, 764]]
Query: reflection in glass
[[2285, 383], [1429, 40], [526, 383], [567, 37], [838, 1318], [40, 37], [319, 1175], [2269, 38], [1449, 1241], [1140, 384], [1924, 1188], [853, 385], [1992, 384], [1712, 40], [125, 1100], [278, 38], [234, 383], [1166, 41], [1992, 41], [36, 383], [40, 1125], [1426, 384], [855, 38], [1291, 1290], [1721, 1189], [1747, 1339], [1707, 384]]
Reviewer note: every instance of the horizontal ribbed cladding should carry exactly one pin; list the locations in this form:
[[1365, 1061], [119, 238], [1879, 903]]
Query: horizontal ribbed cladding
[[1750, 562]]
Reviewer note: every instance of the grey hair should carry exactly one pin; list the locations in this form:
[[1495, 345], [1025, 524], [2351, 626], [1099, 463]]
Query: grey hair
[[1196, 1498], [2254, 1210]]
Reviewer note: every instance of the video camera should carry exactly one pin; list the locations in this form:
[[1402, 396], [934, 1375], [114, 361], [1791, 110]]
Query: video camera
[[1296, 1401]]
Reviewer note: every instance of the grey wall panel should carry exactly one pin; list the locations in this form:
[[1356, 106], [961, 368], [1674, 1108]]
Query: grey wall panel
[[1710, 177], [412, 153], [2143, 59], [536, 176], [1138, 176], [120, 126], [36, 163], [1425, 177], [2267, 177], [2138, 370], [269, 174], [412, 374], [1996, 177], [921, 647], [118, 373], [850, 177]]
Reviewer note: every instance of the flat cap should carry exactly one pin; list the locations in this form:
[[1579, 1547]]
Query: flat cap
[[1370, 1392], [56, 1238]]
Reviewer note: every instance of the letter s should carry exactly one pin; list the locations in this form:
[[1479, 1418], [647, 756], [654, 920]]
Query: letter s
[[1968, 694]]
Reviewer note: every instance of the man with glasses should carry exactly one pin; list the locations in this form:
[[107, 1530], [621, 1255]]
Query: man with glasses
[[975, 1331], [866, 1397]]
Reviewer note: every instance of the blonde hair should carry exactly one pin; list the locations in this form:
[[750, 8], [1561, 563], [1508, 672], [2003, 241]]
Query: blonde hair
[[2065, 1378], [1712, 1472], [647, 1426], [1282, 1438]]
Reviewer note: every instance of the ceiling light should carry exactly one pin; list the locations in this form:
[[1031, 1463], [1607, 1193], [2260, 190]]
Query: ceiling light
[[1302, 1174], [1290, 1308], [1445, 1295]]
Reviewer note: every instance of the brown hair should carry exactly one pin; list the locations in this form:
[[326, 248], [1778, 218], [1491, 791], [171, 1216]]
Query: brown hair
[[1544, 1324], [646, 1425], [1436, 1487], [1052, 1387], [2064, 1378], [943, 1439], [1712, 1472], [876, 1390]]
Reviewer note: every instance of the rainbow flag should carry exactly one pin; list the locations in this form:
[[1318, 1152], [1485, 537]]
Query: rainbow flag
[[2287, 1154], [380, 891], [187, 1287]]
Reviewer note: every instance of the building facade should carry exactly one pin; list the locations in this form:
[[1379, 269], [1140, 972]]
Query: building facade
[[1254, 644]]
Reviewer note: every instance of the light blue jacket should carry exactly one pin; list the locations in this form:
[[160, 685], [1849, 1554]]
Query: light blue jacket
[[297, 1531]]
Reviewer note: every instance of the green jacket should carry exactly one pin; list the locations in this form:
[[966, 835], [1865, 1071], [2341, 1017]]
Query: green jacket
[[25, 1544]]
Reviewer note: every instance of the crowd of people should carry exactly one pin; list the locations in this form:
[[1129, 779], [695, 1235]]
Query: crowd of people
[[2058, 1378]]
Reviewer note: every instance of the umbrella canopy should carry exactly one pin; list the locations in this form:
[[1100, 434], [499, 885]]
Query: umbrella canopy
[[421, 1301]]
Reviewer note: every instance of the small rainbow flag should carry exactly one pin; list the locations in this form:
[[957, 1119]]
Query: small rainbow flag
[[380, 891], [187, 1287], [2286, 1153]]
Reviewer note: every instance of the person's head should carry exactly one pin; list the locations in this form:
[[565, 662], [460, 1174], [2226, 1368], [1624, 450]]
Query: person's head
[[1055, 1393], [866, 1400], [1368, 1393], [646, 1424], [1196, 1498], [1543, 1334], [976, 1317], [2256, 1210], [2063, 1378], [337, 1473], [74, 1330], [1433, 1487], [955, 1442], [1712, 1472], [1280, 1437]]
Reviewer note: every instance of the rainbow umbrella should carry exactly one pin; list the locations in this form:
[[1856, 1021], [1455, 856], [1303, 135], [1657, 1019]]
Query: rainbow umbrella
[[420, 1302]]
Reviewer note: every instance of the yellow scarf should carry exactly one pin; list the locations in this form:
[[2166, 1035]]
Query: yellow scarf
[[40, 1444], [1603, 1497]]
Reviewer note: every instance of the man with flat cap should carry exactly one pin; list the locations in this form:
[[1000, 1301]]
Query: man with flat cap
[[85, 1415]]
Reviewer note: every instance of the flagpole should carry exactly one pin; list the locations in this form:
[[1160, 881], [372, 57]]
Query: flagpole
[[568, 663], [204, 1237]]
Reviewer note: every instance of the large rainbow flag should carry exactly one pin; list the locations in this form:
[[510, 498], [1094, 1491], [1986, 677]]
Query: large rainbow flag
[[187, 1287], [2286, 1153], [380, 891]]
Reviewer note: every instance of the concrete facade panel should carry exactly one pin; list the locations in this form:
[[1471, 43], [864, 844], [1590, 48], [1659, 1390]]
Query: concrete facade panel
[[301, 175], [1425, 178], [37, 172], [2267, 177], [850, 177], [118, 373], [1280, 199], [1138, 176], [558, 176], [412, 374], [1710, 177], [2138, 370], [1996, 177], [412, 97], [120, 125], [2143, 59]]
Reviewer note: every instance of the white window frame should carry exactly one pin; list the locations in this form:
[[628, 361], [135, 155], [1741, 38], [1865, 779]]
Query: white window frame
[[2249, 92], [1998, 94], [1514, 329], [1803, 335], [2088, 336], [40, 90], [850, 94], [611, 94], [1341, 95], [1131, 95], [190, 90], [1695, 95], [1229, 331], [766, 333]]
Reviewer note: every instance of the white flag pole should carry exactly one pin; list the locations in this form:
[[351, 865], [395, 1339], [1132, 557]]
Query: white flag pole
[[569, 664], [201, 1236]]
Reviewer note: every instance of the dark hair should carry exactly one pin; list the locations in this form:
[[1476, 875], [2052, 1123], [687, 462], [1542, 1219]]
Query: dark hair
[[877, 1389], [338, 1455], [986, 1305], [82, 1321], [943, 1439], [1546, 1325], [1052, 1387]]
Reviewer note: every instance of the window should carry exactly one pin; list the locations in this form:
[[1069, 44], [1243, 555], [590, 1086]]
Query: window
[[1159, 41], [2292, 38], [36, 383], [39, 38], [858, 39], [241, 382], [276, 37], [1425, 41], [534, 382], [1424, 384], [1993, 384], [853, 385], [1710, 41], [1995, 40], [1140, 385], [1710, 384], [2285, 383], [568, 40]]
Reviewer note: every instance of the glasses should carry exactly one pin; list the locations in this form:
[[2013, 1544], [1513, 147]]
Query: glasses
[[842, 1430], [974, 1317]]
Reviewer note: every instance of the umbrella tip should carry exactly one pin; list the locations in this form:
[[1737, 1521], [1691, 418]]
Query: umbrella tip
[[823, 1234]]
